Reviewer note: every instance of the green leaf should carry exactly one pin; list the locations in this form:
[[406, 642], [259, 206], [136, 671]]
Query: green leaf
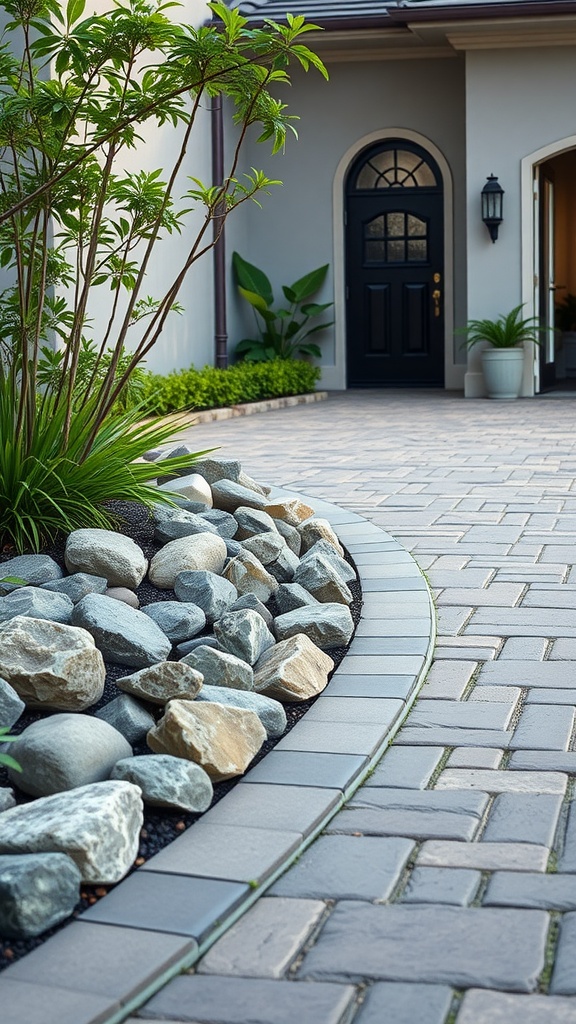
[[252, 279], [74, 11], [309, 284]]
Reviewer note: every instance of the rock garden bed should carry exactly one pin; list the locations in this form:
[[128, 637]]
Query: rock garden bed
[[246, 605]]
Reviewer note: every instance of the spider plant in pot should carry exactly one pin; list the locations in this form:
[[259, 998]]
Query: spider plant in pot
[[503, 356]]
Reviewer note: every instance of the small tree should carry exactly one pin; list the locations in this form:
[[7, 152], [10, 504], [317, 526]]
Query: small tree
[[75, 94]]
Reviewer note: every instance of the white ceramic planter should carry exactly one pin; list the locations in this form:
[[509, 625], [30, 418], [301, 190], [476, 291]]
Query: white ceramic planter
[[503, 368]]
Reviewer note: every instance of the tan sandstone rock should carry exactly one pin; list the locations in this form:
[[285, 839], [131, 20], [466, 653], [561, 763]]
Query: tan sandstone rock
[[200, 551], [223, 740], [292, 511], [293, 670], [312, 530], [249, 576], [163, 682]]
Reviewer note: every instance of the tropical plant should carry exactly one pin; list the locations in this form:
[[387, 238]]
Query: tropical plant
[[565, 314], [5, 759], [508, 331], [283, 332], [78, 230]]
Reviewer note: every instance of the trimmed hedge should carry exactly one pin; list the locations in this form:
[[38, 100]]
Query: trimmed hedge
[[211, 388]]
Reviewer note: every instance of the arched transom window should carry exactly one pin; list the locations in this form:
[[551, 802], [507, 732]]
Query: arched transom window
[[395, 168]]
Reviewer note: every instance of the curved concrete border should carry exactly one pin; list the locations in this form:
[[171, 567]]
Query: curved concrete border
[[162, 918]]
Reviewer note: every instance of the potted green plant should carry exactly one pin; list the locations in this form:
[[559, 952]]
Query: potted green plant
[[503, 357], [565, 322]]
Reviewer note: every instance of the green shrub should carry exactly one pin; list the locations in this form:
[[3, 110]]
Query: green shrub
[[212, 388]]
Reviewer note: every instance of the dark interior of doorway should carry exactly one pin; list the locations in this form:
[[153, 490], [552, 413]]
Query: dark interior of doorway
[[557, 273]]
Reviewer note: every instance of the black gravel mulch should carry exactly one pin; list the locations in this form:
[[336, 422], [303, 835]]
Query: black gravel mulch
[[161, 826]]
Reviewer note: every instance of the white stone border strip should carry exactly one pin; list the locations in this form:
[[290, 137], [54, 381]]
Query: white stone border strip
[[162, 919]]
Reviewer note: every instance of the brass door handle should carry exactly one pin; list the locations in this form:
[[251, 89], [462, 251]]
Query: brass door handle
[[436, 295]]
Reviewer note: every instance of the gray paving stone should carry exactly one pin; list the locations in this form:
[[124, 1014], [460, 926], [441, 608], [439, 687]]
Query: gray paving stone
[[462, 714], [496, 595], [523, 818], [337, 737], [390, 1003], [509, 695], [263, 943], [216, 1000], [26, 1003], [230, 852], [343, 867], [563, 650], [482, 1007], [354, 710], [544, 728], [168, 903], [408, 627], [284, 808], [399, 664], [448, 679], [521, 648], [128, 960], [567, 860], [551, 696], [527, 673], [543, 760], [385, 646], [307, 768], [343, 684], [454, 886], [563, 978], [475, 757], [502, 781], [421, 814], [443, 945], [484, 856], [406, 767], [453, 737], [538, 891]]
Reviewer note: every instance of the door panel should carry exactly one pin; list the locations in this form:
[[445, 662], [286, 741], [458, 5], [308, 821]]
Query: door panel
[[395, 269]]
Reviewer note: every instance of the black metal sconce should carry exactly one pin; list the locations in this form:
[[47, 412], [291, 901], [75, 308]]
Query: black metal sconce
[[491, 195]]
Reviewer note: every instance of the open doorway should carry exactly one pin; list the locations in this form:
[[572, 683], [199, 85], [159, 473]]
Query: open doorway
[[555, 181]]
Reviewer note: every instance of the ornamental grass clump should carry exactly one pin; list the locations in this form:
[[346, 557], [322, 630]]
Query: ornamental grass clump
[[78, 231]]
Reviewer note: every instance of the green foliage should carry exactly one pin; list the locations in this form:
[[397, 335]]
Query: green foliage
[[78, 231], [5, 759], [212, 388], [507, 331], [282, 332]]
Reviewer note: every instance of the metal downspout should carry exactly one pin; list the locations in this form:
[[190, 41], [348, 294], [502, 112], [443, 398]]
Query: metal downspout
[[219, 252]]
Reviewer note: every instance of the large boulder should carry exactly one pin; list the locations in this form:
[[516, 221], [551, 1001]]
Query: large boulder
[[167, 781], [36, 603], [124, 635], [293, 595], [78, 585], [163, 682], [33, 569], [179, 620], [270, 712], [252, 522], [244, 634], [98, 826], [251, 601], [293, 670], [327, 625], [106, 553], [248, 575], [214, 469], [37, 891], [292, 511], [209, 591], [51, 665], [315, 529], [223, 740], [201, 551], [193, 487], [229, 496], [126, 715], [182, 524], [317, 575], [328, 551], [66, 751], [219, 668], [224, 522]]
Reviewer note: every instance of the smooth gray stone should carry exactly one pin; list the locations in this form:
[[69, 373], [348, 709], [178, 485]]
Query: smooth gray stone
[[220, 668], [37, 891], [207, 999], [36, 603], [317, 575], [214, 469], [106, 553], [244, 634], [124, 635], [251, 601], [7, 798], [35, 569], [523, 818], [78, 585], [252, 522], [179, 620], [459, 946], [270, 712], [482, 1007], [406, 767], [233, 548], [209, 591], [167, 781], [563, 978], [65, 751], [388, 1002], [291, 536], [225, 523], [183, 524], [537, 890], [327, 625], [198, 641], [421, 814], [328, 551], [97, 825], [11, 706], [454, 886], [346, 868], [231, 496], [126, 715], [290, 596]]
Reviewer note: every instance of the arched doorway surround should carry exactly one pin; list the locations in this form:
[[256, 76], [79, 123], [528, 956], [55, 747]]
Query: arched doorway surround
[[532, 242], [335, 377]]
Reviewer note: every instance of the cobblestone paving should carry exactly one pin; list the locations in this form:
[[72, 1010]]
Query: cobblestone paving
[[446, 890]]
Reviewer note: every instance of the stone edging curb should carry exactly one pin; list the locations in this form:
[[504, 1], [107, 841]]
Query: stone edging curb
[[249, 408], [162, 919]]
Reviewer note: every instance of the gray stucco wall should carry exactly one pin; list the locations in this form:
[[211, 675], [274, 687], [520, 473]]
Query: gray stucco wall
[[294, 230]]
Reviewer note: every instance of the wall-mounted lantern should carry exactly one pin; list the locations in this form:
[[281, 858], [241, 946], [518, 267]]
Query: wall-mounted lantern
[[491, 195]]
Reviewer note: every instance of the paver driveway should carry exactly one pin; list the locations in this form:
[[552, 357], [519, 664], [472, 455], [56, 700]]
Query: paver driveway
[[447, 889]]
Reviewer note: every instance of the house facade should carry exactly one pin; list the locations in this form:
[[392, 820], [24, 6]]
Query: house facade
[[426, 100]]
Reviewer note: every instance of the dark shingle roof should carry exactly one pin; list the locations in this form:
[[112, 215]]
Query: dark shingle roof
[[333, 13]]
